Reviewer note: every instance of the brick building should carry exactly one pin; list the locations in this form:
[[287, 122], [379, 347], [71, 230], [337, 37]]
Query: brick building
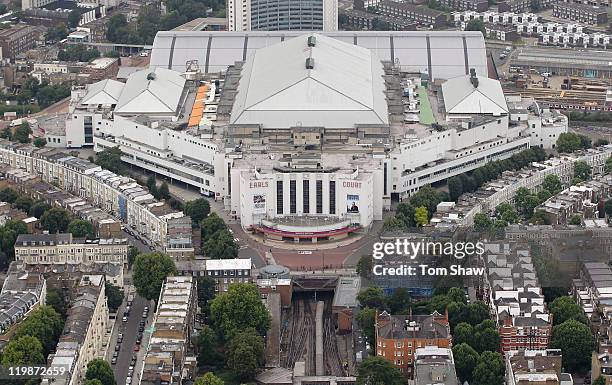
[[398, 337], [417, 13], [466, 5], [16, 40], [580, 12], [361, 20], [101, 68]]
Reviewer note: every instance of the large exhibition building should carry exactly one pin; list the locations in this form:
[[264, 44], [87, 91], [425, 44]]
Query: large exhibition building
[[309, 137]]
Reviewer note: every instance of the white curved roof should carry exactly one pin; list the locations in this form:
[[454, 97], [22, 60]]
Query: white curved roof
[[443, 54], [345, 87], [154, 91], [461, 97]]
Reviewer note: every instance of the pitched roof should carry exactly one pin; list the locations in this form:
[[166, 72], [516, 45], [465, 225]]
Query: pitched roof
[[461, 97], [151, 91], [106, 91], [278, 90]]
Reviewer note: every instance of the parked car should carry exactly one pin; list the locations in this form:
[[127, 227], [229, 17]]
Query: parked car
[[114, 361], [117, 347], [136, 348], [125, 318]]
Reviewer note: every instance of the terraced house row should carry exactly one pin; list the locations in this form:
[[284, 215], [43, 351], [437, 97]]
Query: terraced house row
[[120, 196]]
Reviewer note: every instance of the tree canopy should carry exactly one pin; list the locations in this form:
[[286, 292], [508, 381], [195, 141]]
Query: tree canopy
[[149, 272], [23, 350], [197, 209], [55, 220], [209, 379], [569, 142], [576, 342], [114, 296], [238, 309], [45, 324], [466, 359], [110, 158], [378, 371], [101, 370], [245, 354], [81, 228]]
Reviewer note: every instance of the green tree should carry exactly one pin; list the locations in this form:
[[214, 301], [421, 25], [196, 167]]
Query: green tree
[[55, 299], [399, 301], [544, 195], [197, 209], [117, 28], [553, 184], [599, 381], [486, 338], [114, 296], [510, 216], [209, 379], [575, 220], [245, 354], [482, 222], [420, 216], [489, 370], [152, 185], [38, 209], [378, 371], [221, 246], [23, 132], [576, 342], [463, 334], [372, 297], [206, 292], [466, 359], [23, 350], [539, 218], [238, 309], [101, 370], [582, 171], [207, 345], [110, 158], [394, 224], [568, 142], [39, 142], [23, 203], [476, 25], [8, 195], [94, 381], [210, 225], [81, 228], [74, 17], [8, 235], [55, 220], [608, 207], [131, 255], [365, 265], [366, 319], [150, 271], [7, 133], [455, 188], [164, 191], [608, 166], [405, 212], [45, 324], [565, 308]]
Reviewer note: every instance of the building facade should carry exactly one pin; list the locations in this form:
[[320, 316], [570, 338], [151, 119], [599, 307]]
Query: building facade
[[580, 12], [167, 358], [60, 249], [282, 15], [228, 271], [399, 337], [416, 13], [16, 40], [84, 336]]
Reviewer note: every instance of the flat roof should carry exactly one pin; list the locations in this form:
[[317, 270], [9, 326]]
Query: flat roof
[[229, 264]]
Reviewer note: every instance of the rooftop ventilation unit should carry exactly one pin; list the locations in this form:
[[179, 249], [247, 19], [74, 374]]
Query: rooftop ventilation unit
[[312, 41], [473, 78], [309, 63]]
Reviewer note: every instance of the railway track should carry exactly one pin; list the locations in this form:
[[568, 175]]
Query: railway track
[[298, 339]]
